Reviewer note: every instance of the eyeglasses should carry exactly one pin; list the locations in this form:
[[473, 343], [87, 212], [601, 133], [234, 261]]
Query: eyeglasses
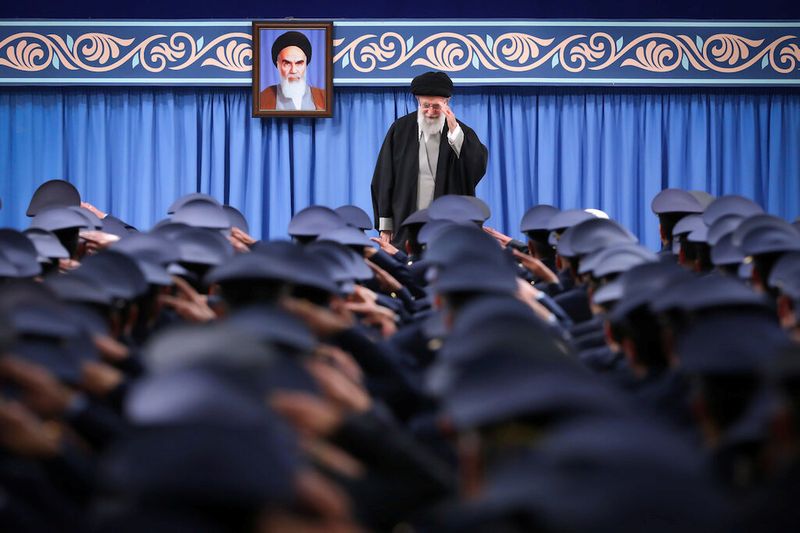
[[435, 107]]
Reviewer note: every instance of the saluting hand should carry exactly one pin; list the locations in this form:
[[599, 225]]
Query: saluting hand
[[452, 124]]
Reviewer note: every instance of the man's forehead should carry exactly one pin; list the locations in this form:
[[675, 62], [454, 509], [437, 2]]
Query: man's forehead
[[432, 99], [292, 53]]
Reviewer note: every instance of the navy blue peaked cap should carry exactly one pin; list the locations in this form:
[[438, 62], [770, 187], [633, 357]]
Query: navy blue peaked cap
[[703, 197], [563, 243], [202, 214], [203, 246], [211, 464], [313, 220], [644, 283], [117, 273], [606, 475], [615, 259], [730, 204], [115, 226], [456, 208], [53, 193], [483, 206], [417, 217], [346, 235], [706, 292], [592, 235], [509, 386], [687, 225], [275, 326], [213, 344], [168, 229], [46, 243], [494, 320], [698, 235], [722, 226], [180, 202], [568, 218], [77, 287], [345, 265], [675, 201], [457, 241], [354, 216], [489, 274], [7, 268], [91, 219], [236, 219], [725, 252], [609, 293], [303, 268], [21, 252], [537, 218], [152, 253], [785, 275], [753, 222], [151, 247], [63, 357], [253, 266], [58, 218], [768, 240], [730, 343], [432, 228]]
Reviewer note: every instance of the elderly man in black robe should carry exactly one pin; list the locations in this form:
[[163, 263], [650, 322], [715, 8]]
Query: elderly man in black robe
[[426, 154]]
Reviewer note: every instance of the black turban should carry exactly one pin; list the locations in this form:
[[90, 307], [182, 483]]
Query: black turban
[[291, 38], [432, 84]]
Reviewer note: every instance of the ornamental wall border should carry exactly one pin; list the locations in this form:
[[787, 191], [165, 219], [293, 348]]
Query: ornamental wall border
[[386, 53]]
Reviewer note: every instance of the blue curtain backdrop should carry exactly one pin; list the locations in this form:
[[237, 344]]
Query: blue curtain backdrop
[[132, 151]]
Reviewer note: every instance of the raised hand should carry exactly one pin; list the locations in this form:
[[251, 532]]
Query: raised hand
[[386, 245], [536, 267], [188, 303], [452, 124]]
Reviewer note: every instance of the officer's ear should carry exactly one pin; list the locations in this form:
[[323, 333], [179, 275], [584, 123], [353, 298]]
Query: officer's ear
[[786, 313], [470, 464], [702, 417], [781, 427], [629, 349]]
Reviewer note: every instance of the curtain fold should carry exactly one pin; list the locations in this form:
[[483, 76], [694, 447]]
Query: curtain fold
[[133, 151]]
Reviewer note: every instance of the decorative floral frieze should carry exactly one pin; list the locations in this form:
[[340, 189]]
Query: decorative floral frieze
[[367, 53]]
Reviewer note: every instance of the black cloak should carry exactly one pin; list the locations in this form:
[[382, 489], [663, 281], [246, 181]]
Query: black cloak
[[394, 182]]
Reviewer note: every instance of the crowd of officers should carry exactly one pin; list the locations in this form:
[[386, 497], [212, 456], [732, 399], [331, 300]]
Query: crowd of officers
[[192, 379]]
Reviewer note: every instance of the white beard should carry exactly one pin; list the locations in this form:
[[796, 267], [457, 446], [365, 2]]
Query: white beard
[[294, 90], [430, 126]]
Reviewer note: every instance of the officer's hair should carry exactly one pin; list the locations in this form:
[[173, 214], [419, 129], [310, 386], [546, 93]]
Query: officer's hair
[[198, 271], [763, 265], [539, 239], [312, 294], [698, 251], [668, 221], [413, 233], [727, 397], [456, 301], [246, 292], [790, 387], [641, 327], [304, 239], [69, 238]]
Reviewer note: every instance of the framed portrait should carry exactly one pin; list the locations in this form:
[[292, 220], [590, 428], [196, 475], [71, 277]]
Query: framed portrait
[[292, 69]]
